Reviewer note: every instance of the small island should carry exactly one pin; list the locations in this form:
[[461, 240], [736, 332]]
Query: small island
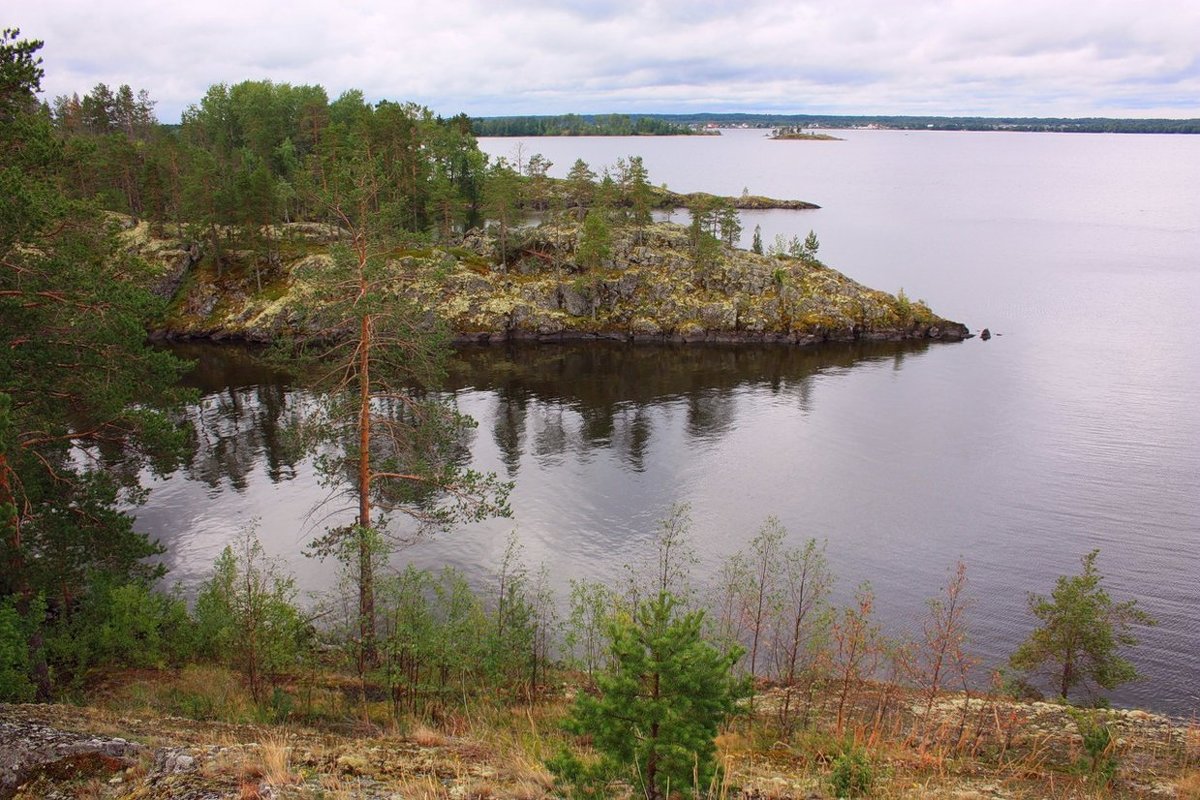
[[797, 133]]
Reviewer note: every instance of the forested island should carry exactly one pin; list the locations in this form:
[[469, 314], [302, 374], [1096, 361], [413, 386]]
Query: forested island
[[356, 240], [797, 133], [673, 124]]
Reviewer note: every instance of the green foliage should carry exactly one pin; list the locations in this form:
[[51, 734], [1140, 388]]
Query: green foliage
[[120, 625], [1099, 744], [580, 186], [811, 245], [591, 603], [501, 199], [658, 706], [852, 774], [15, 629], [523, 624], [246, 615], [85, 402], [904, 308], [595, 241], [756, 243], [430, 644], [1077, 645], [636, 192]]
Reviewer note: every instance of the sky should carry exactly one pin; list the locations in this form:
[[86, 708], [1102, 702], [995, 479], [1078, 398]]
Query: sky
[[494, 57]]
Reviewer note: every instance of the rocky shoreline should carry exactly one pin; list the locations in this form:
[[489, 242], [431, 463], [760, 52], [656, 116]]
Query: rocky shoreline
[[650, 287], [1006, 750]]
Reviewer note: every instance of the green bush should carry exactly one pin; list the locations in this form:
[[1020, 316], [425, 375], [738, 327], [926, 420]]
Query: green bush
[[246, 615], [1100, 764], [15, 686], [852, 774]]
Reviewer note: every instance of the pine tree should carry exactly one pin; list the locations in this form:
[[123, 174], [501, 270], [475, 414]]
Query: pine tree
[[1082, 631], [658, 707], [396, 444], [81, 396]]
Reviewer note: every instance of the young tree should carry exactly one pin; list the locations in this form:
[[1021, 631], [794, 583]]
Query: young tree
[[591, 602], [537, 169], [811, 246], [501, 199], [1082, 632], [756, 244], [856, 640], [638, 193], [659, 706], [671, 570], [941, 653], [581, 186], [759, 593], [595, 240], [246, 614], [801, 625]]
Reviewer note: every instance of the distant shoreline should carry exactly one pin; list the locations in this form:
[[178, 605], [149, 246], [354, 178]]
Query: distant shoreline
[[700, 123]]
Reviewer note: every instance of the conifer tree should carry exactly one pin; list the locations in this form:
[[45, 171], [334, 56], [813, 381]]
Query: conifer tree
[[658, 707], [382, 433], [1082, 631], [80, 393]]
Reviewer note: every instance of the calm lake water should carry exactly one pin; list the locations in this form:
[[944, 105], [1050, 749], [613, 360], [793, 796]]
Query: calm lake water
[[1078, 427]]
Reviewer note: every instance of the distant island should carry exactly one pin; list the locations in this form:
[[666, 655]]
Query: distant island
[[701, 123], [793, 133]]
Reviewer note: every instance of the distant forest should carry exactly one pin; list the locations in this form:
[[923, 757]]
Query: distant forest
[[677, 124], [582, 125]]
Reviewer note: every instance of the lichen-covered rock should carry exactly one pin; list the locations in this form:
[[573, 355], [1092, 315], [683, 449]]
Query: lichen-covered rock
[[29, 751], [653, 285]]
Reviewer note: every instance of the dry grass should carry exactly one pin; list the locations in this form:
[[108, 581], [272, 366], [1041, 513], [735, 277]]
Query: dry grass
[[1187, 786], [425, 787], [424, 736], [274, 759], [198, 691], [486, 750]]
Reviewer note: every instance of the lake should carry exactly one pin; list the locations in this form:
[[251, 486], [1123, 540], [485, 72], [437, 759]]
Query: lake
[[1076, 427]]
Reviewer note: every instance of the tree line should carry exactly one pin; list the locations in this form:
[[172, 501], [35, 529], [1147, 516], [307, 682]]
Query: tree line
[[580, 125], [906, 122]]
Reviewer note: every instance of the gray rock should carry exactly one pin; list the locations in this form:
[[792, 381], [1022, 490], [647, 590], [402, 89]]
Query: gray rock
[[27, 749]]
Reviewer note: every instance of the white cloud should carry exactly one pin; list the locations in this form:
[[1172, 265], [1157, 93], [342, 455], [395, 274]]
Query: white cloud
[[1004, 57]]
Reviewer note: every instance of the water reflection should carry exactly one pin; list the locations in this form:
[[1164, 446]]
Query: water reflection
[[242, 419], [551, 400]]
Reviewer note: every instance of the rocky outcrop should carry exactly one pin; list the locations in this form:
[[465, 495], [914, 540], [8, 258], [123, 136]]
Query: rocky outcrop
[[30, 751], [652, 286]]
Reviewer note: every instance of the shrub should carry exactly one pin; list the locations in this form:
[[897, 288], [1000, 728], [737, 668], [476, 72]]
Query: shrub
[[15, 686], [852, 774], [245, 614]]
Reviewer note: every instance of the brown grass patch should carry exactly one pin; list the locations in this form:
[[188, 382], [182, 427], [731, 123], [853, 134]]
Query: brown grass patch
[[1187, 786], [424, 736]]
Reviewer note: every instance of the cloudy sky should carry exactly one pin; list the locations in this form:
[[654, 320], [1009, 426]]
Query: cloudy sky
[[487, 57]]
